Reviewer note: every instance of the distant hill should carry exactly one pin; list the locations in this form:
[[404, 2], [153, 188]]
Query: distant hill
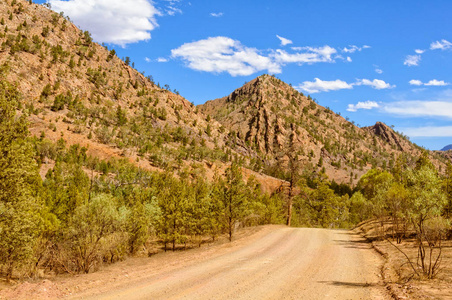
[[448, 147]]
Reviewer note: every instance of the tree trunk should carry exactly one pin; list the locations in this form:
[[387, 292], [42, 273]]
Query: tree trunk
[[230, 229], [290, 204], [9, 272], [289, 212]]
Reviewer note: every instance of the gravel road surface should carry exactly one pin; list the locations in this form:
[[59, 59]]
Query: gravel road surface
[[281, 263]]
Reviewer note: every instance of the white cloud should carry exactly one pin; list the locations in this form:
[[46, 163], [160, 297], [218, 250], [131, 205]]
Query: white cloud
[[428, 131], [171, 8], [111, 21], [354, 48], [420, 108], [147, 59], [412, 60], [223, 54], [318, 85], [284, 41], [309, 55], [216, 15], [416, 82], [442, 45], [432, 82], [162, 59], [435, 82], [376, 84], [378, 70], [362, 105]]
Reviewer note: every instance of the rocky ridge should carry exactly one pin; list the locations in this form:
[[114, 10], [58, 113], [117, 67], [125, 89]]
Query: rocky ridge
[[273, 118]]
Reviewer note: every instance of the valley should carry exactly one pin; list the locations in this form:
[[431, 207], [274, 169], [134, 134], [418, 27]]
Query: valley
[[114, 186]]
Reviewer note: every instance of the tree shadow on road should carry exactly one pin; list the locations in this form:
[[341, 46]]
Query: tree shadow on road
[[350, 284], [355, 244]]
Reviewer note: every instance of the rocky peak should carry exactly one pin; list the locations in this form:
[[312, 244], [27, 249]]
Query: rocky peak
[[388, 135]]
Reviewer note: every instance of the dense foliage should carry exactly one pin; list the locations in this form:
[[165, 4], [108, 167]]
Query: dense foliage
[[410, 202], [87, 211]]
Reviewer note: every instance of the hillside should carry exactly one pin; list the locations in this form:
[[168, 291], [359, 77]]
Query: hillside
[[272, 118], [78, 90]]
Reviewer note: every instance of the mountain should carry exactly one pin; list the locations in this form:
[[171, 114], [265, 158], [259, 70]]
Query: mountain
[[446, 148], [80, 91], [274, 119]]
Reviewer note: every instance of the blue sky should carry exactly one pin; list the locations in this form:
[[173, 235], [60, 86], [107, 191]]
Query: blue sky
[[371, 61]]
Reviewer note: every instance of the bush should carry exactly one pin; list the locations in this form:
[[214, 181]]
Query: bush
[[94, 228]]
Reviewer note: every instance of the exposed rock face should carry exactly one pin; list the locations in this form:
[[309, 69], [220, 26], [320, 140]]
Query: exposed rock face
[[247, 113], [388, 135]]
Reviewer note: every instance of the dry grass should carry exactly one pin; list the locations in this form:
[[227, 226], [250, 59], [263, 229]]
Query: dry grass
[[52, 286], [398, 274]]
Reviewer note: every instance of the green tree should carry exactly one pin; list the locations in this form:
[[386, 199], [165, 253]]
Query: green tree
[[121, 118], [274, 209], [447, 183], [373, 185], [426, 196], [318, 205], [230, 192], [92, 228], [397, 205], [141, 221], [203, 215], [127, 60], [66, 187], [426, 202], [87, 37], [173, 203], [19, 206], [359, 208]]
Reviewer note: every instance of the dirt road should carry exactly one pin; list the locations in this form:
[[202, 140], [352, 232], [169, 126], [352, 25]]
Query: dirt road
[[281, 263]]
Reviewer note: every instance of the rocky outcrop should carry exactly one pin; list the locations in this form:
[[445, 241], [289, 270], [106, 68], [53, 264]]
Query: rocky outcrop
[[388, 135]]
